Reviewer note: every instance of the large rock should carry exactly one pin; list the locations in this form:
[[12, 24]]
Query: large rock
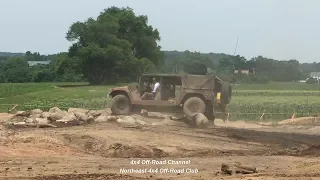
[[201, 120], [95, 113], [23, 113], [57, 115], [70, 118], [106, 112], [127, 120], [36, 111], [140, 122], [80, 116], [102, 118], [78, 110], [30, 120], [42, 121], [55, 110], [45, 115], [33, 116]]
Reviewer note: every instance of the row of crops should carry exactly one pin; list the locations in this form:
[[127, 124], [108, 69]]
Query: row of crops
[[272, 93]]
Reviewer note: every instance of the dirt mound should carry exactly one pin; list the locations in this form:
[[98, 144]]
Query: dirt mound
[[93, 145], [89, 177], [313, 150], [84, 143], [34, 140], [119, 150]]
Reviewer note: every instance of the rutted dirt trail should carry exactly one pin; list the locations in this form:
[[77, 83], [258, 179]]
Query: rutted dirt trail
[[100, 150]]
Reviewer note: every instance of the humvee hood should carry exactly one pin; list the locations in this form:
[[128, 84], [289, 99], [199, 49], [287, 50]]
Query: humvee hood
[[119, 88]]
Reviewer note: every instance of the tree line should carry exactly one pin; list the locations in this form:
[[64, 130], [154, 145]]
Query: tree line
[[119, 45]]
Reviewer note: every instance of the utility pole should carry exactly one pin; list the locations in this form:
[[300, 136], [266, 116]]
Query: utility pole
[[235, 49]]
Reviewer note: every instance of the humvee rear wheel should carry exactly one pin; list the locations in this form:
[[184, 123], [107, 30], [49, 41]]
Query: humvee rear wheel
[[193, 106], [226, 93], [120, 105]]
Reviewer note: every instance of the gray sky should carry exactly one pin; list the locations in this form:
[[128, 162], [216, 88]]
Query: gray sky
[[279, 29]]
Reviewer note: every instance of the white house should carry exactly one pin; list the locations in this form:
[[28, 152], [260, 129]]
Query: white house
[[315, 75], [32, 63]]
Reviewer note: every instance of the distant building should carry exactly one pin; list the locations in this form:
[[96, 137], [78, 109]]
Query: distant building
[[315, 75], [33, 63], [243, 71]]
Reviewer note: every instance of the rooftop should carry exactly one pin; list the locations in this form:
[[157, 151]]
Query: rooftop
[[33, 63]]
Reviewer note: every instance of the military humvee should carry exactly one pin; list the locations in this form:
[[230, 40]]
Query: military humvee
[[187, 94]]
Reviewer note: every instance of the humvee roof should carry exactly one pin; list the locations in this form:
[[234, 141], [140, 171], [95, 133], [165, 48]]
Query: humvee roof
[[191, 81]]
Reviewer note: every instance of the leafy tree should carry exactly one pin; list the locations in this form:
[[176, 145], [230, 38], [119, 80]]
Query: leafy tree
[[106, 45], [41, 73], [16, 69], [196, 68], [66, 69], [226, 65]]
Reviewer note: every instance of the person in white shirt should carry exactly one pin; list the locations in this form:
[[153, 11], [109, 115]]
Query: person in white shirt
[[151, 95], [156, 87]]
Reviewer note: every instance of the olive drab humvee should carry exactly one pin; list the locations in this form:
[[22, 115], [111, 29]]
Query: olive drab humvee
[[187, 94]]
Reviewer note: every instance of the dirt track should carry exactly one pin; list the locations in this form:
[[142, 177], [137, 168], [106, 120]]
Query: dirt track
[[99, 151]]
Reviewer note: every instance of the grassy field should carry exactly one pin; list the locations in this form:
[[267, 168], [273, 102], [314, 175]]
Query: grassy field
[[249, 101]]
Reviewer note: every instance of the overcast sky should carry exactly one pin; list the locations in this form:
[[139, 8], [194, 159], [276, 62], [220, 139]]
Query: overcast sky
[[279, 29]]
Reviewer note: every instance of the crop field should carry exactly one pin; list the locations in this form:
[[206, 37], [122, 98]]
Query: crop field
[[249, 101]]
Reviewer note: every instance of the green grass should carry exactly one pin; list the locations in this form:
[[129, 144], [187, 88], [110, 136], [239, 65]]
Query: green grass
[[46, 95], [249, 101]]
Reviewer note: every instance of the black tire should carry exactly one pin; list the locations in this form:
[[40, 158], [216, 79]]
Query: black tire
[[120, 105], [193, 106], [226, 93]]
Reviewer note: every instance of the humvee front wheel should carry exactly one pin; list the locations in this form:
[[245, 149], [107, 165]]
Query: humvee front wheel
[[120, 105], [193, 106]]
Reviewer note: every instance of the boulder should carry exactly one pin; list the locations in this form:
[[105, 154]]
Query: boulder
[[45, 115], [76, 110], [58, 115], [81, 116], [54, 110], [140, 122], [101, 118], [42, 121], [23, 113], [36, 111], [29, 120], [69, 117], [201, 120], [94, 113], [33, 116], [19, 123], [106, 112], [128, 120]]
